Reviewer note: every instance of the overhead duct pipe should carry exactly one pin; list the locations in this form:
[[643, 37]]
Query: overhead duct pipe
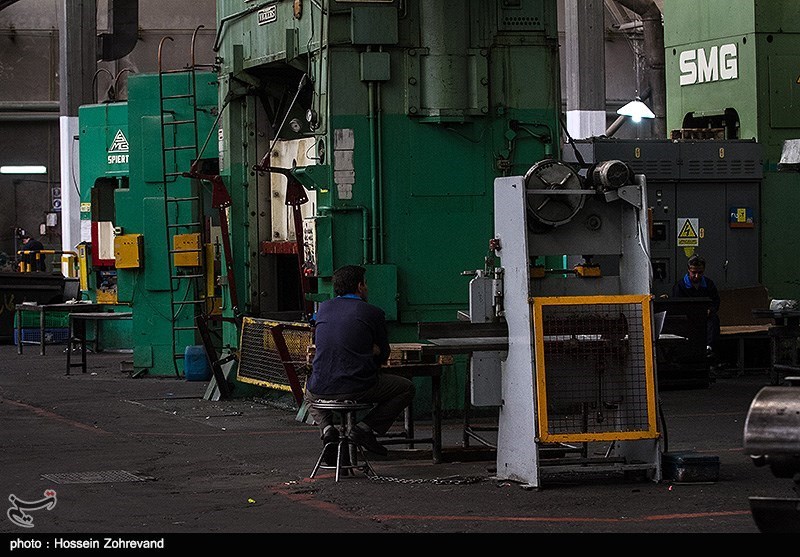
[[585, 81], [653, 78], [77, 61], [123, 17]]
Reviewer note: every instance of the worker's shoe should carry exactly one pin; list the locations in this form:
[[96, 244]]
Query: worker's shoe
[[330, 442], [367, 440]]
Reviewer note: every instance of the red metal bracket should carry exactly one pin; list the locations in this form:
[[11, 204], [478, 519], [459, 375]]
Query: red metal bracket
[[221, 200]]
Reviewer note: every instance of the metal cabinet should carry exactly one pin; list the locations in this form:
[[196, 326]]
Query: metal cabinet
[[703, 197]]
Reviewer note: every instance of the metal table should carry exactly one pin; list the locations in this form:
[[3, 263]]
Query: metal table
[[784, 336], [410, 370], [77, 332], [462, 337], [43, 309]]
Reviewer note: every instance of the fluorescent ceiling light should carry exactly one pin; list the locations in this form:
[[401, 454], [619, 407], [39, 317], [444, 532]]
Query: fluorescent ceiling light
[[637, 110], [23, 170]]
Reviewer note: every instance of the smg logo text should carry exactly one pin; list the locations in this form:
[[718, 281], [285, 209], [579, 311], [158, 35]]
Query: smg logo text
[[703, 65]]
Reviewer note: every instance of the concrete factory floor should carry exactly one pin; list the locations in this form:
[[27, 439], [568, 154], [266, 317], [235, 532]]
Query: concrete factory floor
[[172, 462]]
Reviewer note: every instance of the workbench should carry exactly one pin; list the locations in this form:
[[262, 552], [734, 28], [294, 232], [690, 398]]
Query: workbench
[[77, 333], [784, 336], [742, 335], [43, 309], [464, 338], [454, 346], [407, 436]]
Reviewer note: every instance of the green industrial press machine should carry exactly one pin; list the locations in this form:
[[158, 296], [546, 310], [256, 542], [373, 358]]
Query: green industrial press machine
[[151, 237], [370, 132], [104, 157]]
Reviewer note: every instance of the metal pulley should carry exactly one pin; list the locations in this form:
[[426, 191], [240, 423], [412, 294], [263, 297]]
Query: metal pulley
[[555, 193]]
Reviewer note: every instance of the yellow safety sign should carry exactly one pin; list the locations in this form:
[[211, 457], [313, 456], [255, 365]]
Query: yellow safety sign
[[688, 232]]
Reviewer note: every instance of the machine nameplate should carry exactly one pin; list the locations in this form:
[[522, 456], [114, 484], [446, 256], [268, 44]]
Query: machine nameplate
[[268, 14], [699, 66], [118, 150]]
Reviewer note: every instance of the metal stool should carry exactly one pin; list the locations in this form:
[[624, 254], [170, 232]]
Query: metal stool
[[345, 410]]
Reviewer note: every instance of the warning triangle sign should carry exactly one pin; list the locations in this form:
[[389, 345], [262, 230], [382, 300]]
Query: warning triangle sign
[[120, 143], [687, 231]]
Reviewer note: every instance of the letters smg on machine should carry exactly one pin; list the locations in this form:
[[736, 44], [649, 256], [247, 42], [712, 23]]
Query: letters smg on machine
[[702, 65]]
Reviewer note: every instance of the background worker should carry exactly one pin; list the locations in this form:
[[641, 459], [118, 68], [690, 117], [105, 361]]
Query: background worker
[[351, 344], [36, 260], [695, 284]]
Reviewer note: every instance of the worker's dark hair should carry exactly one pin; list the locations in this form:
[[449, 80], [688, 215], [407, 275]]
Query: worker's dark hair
[[346, 279], [697, 261]]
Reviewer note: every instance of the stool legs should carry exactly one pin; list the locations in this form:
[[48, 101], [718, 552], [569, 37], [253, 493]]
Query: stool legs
[[345, 446], [318, 465]]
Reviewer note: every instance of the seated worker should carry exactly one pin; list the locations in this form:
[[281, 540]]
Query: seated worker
[[351, 344], [36, 263], [695, 284]]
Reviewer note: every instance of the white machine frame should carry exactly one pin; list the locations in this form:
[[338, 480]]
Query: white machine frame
[[623, 215]]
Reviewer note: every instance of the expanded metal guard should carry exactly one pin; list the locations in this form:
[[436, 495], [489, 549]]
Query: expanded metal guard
[[594, 368], [273, 354]]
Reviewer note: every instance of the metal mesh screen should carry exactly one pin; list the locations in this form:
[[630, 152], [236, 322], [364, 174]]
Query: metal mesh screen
[[593, 362], [271, 350]]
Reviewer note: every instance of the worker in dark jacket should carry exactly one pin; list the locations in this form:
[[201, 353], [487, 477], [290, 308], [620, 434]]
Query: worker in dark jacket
[[35, 259], [695, 284], [351, 344]]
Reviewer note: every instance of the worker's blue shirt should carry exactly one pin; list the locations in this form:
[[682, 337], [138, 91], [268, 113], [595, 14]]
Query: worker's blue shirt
[[346, 329], [707, 289]]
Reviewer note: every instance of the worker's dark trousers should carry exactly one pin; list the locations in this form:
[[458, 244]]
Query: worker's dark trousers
[[391, 393]]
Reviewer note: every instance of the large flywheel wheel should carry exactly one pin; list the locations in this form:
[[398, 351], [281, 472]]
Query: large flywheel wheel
[[552, 201]]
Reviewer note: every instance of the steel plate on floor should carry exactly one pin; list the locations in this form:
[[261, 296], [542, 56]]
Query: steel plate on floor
[[106, 476]]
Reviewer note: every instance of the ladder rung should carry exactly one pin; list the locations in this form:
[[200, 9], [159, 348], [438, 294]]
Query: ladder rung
[[179, 355], [180, 148], [187, 302], [171, 174], [178, 122], [185, 225], [186, 276], [184, 328], [179, 199], [186, 96], [178, 70], [187, 250]]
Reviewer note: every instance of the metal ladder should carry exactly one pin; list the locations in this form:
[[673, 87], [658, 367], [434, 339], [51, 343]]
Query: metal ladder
[[183, 213]]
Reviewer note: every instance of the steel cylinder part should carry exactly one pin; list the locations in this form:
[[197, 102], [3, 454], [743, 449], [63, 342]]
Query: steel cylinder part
[[445, 69], [772, 430]]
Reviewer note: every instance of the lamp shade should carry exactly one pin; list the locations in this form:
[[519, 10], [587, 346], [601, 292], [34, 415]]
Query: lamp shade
[[637, 110]]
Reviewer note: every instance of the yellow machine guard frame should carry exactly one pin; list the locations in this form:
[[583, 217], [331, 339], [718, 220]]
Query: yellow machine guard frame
[[261, 361], [537, 305]]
